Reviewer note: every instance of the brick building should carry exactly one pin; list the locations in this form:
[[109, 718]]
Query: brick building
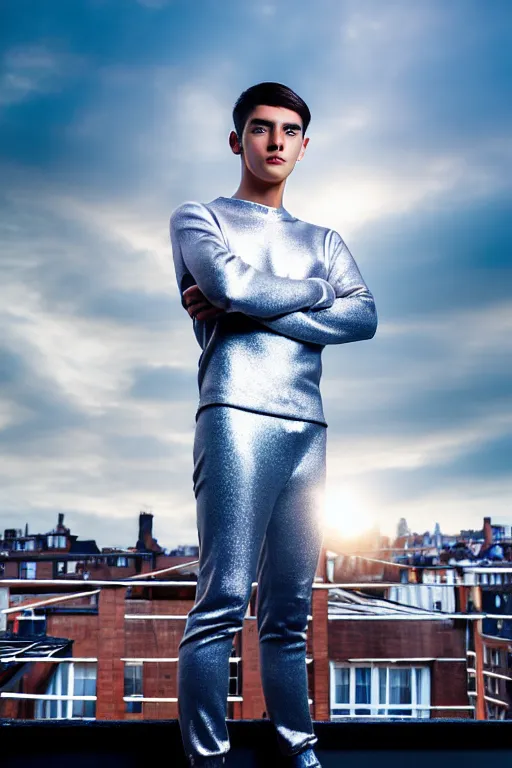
[[366, 657], [406, 642]]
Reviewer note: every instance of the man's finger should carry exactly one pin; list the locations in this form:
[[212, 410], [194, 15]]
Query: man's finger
[[207, 314], [194, 302], [196, 307], [204, 311], [198, 313], [193, 294]]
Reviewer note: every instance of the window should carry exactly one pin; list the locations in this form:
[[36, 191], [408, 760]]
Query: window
[[84, 685], [64, 567], [24, 545], [122, 562], [369, 690], [32, 622], [28, 570], [492, 685], [56, 542], [133, 685], [69, 679], [495, 712], [234, 679]]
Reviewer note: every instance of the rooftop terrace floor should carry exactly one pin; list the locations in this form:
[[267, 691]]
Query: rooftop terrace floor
[[349, 744]]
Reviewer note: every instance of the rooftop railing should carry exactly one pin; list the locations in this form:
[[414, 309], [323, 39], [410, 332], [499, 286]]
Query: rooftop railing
[[473, 577]]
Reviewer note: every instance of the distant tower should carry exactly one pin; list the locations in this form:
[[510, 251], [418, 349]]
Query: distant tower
[[402, 528], [438, 536], [488, 533], [146, 542]]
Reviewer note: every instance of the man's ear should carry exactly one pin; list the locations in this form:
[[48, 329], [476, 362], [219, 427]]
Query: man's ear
[[303, 149], [235, 142]]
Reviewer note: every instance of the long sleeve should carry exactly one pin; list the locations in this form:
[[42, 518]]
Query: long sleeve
[[352, 317], [229, 282]]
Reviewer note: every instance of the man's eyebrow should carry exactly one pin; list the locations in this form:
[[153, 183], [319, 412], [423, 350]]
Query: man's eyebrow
[[269, 123]]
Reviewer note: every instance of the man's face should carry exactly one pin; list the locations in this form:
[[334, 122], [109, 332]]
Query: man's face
[[272, 131]]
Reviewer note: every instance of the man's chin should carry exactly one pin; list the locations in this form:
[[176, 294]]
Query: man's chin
[[274, 172]]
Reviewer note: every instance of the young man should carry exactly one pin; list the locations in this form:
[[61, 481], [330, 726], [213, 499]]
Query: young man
[[266, 292]]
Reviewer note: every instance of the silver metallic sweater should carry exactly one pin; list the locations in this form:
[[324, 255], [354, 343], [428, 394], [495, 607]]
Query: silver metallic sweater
[[288, 288]]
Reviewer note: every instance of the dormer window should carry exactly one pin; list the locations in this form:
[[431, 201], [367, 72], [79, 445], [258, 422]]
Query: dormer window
[[24, 545], [56, 542]]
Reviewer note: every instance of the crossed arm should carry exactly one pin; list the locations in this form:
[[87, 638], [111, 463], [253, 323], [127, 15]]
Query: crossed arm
[[342, 312], [352, 316], [227, 281]]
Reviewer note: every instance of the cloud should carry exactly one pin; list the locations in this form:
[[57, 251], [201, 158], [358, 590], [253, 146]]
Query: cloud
[[33, 70], [408, 160], [365, 194], [162, 383]]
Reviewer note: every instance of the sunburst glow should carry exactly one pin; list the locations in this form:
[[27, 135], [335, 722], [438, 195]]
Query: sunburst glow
[[345, 513]]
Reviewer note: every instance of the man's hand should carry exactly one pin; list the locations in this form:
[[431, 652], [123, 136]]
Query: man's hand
[[198, 306]]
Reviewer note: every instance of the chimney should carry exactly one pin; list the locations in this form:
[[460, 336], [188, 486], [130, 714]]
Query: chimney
[[146, 542], [145, 531], [61, 518], [487, 532]]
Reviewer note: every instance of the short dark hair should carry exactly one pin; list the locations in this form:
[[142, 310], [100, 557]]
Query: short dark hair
[[273, 95]]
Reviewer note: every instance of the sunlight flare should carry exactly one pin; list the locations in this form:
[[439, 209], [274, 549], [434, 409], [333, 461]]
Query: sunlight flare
[[344, 513]]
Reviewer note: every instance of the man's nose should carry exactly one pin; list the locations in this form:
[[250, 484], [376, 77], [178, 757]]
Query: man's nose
[[276, 142]]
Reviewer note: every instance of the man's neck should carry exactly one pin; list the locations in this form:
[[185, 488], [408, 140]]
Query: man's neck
[[272, 197]]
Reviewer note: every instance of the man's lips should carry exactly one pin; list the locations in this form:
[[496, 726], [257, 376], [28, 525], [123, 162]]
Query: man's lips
[[275, 160]]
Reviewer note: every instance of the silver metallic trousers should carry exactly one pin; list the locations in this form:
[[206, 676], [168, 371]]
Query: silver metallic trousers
[[259, 484]]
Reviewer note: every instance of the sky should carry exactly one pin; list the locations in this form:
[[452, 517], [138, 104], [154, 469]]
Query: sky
[[114, 112]]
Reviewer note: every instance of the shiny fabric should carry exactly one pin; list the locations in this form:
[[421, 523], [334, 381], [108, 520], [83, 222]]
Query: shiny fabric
[[259, 483], [288, 288]]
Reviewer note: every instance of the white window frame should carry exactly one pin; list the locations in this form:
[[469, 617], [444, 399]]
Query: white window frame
[[140, 695], [64, 707], [235, 677], [69, 565], [372, 708], [56, 541]]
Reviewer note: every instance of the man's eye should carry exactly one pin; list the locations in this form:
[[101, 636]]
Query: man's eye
[[288, 130]]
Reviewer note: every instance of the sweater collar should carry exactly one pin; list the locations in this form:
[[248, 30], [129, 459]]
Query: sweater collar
[[256, 209]]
